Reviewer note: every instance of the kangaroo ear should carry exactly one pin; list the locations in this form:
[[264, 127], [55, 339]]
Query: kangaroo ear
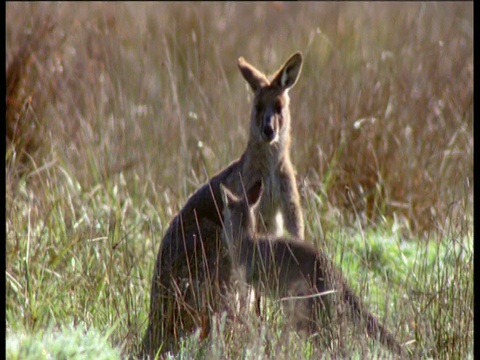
[[287, 76], [255, 78], [255, 193], [227, 197]]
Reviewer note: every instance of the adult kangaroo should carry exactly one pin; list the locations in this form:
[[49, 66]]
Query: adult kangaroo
[[193, 268]]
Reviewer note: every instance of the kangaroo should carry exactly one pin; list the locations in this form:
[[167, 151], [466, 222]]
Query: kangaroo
[[290, 268], [193, 269]]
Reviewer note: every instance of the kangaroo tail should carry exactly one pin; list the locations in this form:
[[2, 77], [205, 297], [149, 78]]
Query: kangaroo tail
[[373, 326]]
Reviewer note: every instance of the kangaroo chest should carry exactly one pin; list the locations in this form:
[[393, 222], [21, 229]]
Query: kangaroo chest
[[270, 202], [268, 168]]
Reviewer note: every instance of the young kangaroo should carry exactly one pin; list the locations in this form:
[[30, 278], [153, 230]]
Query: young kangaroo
[[192, 268], [290, 268]]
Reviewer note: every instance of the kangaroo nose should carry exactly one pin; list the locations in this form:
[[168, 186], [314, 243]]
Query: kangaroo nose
[[268, 131]]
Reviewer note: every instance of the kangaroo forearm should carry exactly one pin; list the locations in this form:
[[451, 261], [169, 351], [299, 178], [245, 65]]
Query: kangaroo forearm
[[294, 220], [291, 208]]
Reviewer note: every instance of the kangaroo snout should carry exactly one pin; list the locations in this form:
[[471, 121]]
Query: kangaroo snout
[[268, 131]]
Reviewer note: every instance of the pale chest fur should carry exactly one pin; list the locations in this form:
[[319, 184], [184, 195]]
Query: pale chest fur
[[270, 203]]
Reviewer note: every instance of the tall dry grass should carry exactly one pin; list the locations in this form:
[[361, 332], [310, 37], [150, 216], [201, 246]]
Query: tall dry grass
[[383, 114], [119, 111]]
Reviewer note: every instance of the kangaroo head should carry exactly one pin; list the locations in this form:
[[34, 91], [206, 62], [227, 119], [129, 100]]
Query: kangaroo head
[[270, 116], [239, 212]]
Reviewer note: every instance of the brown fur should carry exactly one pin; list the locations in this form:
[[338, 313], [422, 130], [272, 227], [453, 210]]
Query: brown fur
[[290, 268], [192, 270]]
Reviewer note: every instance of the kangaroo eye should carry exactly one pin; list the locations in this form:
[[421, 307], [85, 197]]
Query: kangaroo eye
[[278, 108]]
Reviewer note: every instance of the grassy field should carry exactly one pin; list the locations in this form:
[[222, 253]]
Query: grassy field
[[117, 112]]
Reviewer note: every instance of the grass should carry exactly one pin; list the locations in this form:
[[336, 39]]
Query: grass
[[66, 343], [115, 114]]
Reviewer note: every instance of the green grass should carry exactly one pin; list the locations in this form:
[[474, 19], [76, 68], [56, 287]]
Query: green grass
[[62, 269], [115, 114], [66, 343]]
